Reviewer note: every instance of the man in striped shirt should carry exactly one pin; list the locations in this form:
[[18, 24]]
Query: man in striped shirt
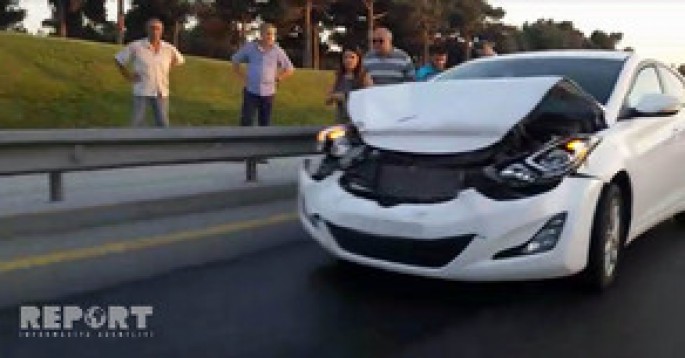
[[385, 63]]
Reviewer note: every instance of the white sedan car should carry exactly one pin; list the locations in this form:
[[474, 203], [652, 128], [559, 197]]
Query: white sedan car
[[517, 167]]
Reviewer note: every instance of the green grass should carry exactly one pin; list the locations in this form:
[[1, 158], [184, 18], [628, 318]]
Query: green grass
[[57, 83]]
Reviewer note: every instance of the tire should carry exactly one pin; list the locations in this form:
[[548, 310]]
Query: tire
[[606, 240]]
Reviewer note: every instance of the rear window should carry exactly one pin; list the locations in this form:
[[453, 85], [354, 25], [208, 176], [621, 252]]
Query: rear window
[[596, 76]]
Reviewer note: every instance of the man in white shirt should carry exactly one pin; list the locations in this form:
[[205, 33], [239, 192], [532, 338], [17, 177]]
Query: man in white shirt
[[152, 59]]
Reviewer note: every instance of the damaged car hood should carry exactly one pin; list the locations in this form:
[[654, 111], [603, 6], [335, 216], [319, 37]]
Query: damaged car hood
[[445, 117]]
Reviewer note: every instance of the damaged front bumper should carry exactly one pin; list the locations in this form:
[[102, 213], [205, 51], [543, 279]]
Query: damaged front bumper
[[458, 239]]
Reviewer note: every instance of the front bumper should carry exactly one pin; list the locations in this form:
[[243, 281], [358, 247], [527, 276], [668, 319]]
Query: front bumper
[[490, 226]]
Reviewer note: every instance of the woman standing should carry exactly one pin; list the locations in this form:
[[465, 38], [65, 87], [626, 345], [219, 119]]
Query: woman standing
[[350, 76]]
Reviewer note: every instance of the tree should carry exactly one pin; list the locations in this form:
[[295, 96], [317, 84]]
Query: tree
[[504, 36], [602, 40], [430, 17], [121, 15], [358, 18], [469, 17], [77, 18], [300, 23], [239, 14], [548, 34], [173, 13], [10, 14], [681, 69]]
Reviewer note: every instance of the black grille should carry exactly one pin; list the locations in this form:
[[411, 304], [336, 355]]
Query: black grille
[[427, 253], [393, 178], [422, 184]]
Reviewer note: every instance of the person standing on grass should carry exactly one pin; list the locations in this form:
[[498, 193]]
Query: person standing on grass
[[385, 63], [267, 65], [350, 76], [152, 59]]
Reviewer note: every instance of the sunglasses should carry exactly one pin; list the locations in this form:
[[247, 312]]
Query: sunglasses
[[378, 41]]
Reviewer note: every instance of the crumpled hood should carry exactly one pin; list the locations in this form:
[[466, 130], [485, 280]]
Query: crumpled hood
[[445, 116]]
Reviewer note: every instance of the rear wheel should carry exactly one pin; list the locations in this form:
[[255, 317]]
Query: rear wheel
[[606, 240]]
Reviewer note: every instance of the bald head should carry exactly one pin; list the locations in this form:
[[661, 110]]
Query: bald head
[[382, 40]]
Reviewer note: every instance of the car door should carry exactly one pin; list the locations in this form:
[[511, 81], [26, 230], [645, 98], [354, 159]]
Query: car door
[[674, 85], [650, 140]]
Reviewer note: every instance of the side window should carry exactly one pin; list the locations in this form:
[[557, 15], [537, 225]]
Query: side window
[[646, 82], [672, 84]]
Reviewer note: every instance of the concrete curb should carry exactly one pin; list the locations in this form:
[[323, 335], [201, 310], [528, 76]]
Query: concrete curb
[[54, 221]]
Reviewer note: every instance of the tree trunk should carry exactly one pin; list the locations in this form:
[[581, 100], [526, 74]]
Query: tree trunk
[[426, 44], [177, 31], [307, 55], [120, 22], [62, 18], [369, 21], [243, 32], [425, 30], [468, 46], [316, 45]]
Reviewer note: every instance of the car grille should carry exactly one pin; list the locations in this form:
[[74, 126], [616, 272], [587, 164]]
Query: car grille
[[391, 179], [432, 253]]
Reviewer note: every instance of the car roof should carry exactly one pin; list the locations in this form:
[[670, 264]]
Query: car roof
[[589, 54]]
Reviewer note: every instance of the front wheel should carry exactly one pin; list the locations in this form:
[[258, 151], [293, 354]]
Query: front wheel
[[606, 240]]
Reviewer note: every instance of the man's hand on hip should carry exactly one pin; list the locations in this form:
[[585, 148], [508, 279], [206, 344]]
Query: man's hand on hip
[[134, 77]]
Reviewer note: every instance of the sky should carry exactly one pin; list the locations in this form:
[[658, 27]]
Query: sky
[[38, 10], [654, 28]]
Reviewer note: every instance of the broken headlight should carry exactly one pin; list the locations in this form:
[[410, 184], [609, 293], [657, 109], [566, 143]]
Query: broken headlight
[[334, 141], [342, 147], [555, 160]]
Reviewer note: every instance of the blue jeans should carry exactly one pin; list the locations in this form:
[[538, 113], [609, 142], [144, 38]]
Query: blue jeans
[[160, 108], [254, 103]]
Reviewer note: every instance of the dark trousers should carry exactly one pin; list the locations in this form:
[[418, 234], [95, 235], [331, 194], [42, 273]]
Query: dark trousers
[[254, 103]]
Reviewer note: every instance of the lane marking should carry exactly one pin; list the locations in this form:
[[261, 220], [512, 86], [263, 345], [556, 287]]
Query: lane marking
[[63, 256]]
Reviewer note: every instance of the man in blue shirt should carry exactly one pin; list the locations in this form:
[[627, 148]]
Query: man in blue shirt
[[437, 64], [267, 64]]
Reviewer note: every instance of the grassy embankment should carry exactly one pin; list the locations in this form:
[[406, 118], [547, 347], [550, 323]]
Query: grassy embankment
[[56, 83]]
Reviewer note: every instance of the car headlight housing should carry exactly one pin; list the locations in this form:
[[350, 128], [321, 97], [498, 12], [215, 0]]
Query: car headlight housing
[[342, 147], [334, 141], [555, 160]]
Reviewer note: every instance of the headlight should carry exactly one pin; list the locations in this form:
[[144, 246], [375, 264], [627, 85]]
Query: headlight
[[557, 159], [333, 141], [343, 148]]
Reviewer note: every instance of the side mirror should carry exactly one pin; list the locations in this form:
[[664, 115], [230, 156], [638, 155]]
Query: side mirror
[[658, 104]]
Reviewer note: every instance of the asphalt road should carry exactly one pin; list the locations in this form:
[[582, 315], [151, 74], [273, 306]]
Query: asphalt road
[[293, 300]]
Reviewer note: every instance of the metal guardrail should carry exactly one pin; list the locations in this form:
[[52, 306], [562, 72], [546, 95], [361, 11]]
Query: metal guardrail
[[58, 151]]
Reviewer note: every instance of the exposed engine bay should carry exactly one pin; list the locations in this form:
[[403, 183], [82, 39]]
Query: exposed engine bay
[[532, 157]]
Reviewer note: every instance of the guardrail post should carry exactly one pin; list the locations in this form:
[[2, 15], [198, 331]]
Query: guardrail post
[[56, 187], [251, 170]]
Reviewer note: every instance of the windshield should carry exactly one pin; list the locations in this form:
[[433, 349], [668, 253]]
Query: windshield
[[595, 76]]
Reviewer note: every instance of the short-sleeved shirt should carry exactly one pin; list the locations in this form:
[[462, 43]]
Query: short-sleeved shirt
[[153, 68], [262, 66], [397, 67], [426, 72]]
